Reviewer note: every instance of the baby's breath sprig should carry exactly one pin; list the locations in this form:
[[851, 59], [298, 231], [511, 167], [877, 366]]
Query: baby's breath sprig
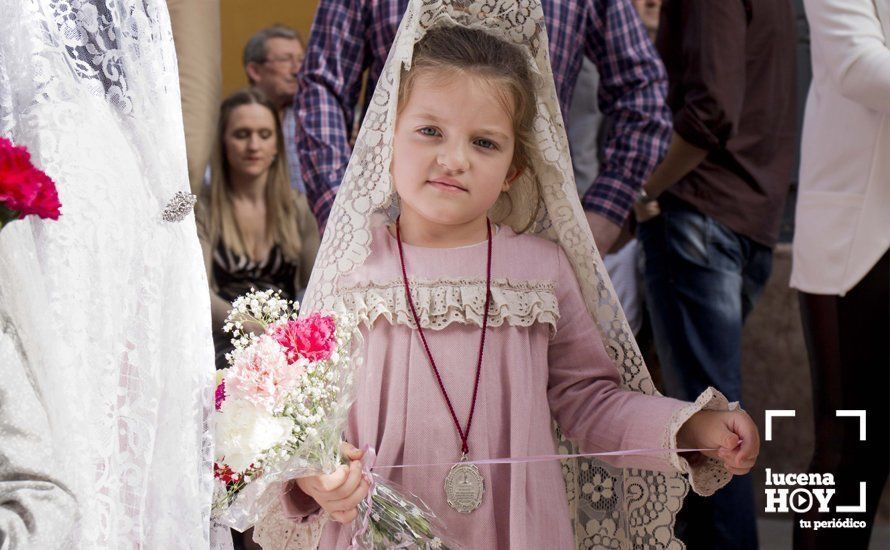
[[260, 308]]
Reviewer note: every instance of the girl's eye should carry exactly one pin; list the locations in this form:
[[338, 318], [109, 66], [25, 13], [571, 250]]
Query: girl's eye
[[428, 131], [265, 134], [486, 144], [241, 134]]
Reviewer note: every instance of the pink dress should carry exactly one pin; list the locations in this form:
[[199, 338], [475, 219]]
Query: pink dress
[[544, 360]]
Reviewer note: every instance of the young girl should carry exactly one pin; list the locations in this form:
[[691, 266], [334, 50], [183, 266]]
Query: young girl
[[499, 334]]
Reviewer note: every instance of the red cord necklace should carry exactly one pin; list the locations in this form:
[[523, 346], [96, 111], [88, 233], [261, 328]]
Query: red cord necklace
[[464, 485]]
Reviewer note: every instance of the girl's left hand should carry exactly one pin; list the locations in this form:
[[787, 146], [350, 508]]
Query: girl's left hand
[[732, 433]]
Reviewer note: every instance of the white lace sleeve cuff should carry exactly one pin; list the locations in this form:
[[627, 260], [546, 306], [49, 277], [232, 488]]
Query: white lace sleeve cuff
[[708, 475]]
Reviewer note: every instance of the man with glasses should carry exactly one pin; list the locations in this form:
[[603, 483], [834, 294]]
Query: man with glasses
[[272, 58]]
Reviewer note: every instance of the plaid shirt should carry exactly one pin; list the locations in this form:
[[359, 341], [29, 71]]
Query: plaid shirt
[[349, 36], [289, 128]]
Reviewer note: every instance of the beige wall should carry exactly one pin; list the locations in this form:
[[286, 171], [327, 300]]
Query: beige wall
[[241, 18]]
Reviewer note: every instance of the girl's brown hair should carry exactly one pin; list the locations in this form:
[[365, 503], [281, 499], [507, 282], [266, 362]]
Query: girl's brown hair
[[465, 51], [281, 213]]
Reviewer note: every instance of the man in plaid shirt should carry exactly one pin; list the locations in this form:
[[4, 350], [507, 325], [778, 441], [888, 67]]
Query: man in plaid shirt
[[349, 36]]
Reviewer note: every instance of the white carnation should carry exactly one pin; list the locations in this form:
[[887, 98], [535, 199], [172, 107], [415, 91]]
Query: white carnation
[[244, 432]]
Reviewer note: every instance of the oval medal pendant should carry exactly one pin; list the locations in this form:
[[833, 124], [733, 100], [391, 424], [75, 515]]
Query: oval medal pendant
[[464, 487]]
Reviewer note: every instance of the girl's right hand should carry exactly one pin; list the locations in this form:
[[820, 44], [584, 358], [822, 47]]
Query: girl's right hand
[[339, 493]]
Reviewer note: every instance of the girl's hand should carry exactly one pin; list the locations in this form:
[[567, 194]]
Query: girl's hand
[[733, 433], [339, 493]]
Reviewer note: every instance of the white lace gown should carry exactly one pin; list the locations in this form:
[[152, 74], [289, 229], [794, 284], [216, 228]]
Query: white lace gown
[[105, 341]]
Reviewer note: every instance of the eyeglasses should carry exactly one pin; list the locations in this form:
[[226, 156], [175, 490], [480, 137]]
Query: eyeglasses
[[288, 60]]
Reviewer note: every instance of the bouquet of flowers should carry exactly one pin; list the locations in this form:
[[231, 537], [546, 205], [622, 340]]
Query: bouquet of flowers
[[24, 190], [281, 407]]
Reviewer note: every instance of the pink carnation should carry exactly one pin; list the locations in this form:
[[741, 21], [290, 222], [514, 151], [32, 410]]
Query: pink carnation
[[262, 375], [311, 337]]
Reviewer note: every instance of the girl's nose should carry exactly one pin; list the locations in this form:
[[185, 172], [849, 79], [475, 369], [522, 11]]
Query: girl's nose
[[453, 159]]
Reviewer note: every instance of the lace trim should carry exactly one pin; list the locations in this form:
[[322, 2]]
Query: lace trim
[[276, 532], [709, 475], [444, 301]]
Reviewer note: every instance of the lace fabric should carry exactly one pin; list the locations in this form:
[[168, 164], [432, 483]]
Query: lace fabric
[[442, 302], [709, 475], [615, 508], [277, 532], [110, 302]]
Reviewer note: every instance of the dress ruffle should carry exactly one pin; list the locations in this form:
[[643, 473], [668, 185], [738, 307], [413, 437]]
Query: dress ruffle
[[442, 302]]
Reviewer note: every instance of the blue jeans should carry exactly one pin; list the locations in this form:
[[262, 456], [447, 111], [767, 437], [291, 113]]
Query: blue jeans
[[701, 281]]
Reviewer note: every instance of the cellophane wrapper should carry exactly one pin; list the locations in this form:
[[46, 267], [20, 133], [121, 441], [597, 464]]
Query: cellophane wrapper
[[398, 519]]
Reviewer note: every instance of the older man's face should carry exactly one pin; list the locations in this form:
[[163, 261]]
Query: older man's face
[[276, 76]]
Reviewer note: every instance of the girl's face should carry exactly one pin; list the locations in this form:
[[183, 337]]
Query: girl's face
[[453, 150], [250, 140]]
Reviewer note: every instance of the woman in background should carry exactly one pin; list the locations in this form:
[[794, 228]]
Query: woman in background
[[255, 231]]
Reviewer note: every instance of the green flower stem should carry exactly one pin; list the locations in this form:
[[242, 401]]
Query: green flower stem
[[7, 215], [394, 519]]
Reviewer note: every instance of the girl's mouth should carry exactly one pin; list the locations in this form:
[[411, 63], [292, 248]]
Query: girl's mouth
[[447, 184]]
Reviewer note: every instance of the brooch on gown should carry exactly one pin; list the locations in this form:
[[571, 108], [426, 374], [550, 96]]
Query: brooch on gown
[[179, 207]]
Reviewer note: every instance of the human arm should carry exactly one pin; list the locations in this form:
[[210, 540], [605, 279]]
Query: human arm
[[732, 433], [713, 56], [854, 47], [632, 91], [592, 409], [605, 231], [329, 86], [712, 52], [682, 158], [219, 308], [308, 228]]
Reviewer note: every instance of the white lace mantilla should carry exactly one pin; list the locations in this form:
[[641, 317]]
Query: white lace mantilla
[[442, 302]]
